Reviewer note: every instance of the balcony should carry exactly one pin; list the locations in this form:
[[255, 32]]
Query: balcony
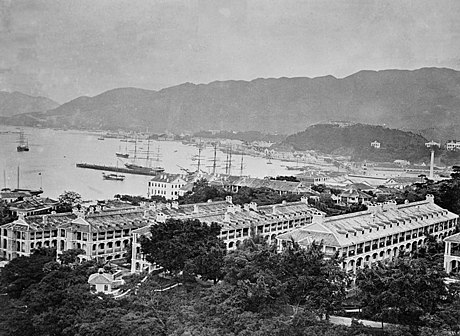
[[455, 253]]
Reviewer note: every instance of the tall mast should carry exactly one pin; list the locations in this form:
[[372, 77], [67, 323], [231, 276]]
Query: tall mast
[[148, 152], [242, 165], [214, 162], [200, 148], [4, 178], [18, 177], [230, 160]]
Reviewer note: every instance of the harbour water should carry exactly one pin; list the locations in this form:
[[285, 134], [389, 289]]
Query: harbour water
[[50, 163]]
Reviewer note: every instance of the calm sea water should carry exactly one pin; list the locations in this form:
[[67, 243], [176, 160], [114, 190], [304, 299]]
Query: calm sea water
[[50, 163]]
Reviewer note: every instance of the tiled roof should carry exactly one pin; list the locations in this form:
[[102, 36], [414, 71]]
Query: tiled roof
[[370, 226], [116, 220], [41, 222], [166, 178], [453, 239], [32, 203]]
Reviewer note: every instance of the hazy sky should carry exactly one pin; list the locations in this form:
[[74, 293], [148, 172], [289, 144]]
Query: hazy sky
[[67, 48]]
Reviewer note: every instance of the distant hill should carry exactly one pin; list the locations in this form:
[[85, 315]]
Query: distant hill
[[417, 99], [16, 103], [355, 141]]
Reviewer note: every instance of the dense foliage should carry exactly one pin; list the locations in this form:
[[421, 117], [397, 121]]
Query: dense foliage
[[189, 246], [202, 192], [355, 140]]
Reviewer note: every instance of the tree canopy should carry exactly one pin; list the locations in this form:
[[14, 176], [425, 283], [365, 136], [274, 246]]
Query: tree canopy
[[186, 245]]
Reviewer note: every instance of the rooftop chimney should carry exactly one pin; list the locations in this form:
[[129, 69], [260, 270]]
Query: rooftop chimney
[[196, 208], [175, 204], [430, 198], [304, 199], [231, 208], [45, 219], [317, 217], [229, 199], [253, 206]]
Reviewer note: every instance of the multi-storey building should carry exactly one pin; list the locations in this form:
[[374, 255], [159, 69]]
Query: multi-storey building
[[379, 233], [167, 185], [452, 145], [375, 144], [237, 222], [452, 253], [102, 234]]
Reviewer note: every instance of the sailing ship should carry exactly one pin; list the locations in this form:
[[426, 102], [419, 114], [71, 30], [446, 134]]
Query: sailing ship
[[147, 168], [121, 154], [113, 177], [23, 144]]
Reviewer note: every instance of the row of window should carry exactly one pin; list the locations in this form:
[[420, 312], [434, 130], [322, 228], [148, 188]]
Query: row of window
[[393, 239], [446, 224]]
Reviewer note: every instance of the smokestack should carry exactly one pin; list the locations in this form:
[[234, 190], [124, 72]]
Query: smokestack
[[432, 164]]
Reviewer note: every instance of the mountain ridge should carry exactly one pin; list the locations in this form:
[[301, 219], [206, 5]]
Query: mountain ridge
[[13, 103], [415, 99]]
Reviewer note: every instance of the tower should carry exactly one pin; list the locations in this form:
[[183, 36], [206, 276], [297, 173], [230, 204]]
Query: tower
[[432, 145]]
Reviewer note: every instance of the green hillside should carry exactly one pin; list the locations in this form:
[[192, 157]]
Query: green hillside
[[355, 140]]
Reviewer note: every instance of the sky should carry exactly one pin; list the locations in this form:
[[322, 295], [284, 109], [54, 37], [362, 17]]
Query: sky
[[66, 49]]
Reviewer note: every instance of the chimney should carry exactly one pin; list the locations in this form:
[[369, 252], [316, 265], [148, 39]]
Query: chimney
[[246, 207], [374, 208], [153, 206], [253, 206], [229, 199], [45, 219], [429, 198], [175, 204], [21, 215], [317, 217], [168, 205], [196, 208], [283, 202], [209, 200], [146, 214], [275, 209], [161, 217], [231, 208], [227, 217], [304, 199], [406, 201]]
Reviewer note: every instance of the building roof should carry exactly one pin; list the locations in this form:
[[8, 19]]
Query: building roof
[[167, 178], [453, 239], [355, 193], [378, 222], [33, 203]]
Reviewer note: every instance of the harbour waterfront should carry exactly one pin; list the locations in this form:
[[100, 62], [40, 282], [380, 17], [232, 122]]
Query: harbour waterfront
[[50, 163]]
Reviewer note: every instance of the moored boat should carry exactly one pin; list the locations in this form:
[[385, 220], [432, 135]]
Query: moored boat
[[113, 177], [23, 144]]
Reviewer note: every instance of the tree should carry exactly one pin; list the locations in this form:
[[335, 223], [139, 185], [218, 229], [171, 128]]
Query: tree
[[311, 280], [402, 291], [70, 256], [68, 200], [176, 244], [22, 272]]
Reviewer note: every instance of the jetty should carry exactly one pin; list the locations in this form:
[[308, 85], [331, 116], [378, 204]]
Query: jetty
[[117, 169]]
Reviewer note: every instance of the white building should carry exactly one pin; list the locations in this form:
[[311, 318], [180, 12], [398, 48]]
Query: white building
[[452, 145], [375, 144], [167, 185], [237, 223], [107, 283], [452, 254], [379, 233]]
